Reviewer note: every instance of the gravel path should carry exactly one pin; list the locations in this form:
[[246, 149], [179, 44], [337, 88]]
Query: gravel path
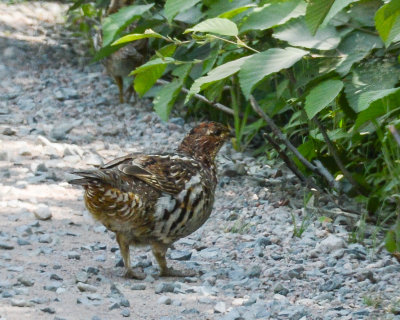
[[57, 263]]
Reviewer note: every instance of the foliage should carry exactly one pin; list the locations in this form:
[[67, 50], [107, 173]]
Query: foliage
[[325, 71]]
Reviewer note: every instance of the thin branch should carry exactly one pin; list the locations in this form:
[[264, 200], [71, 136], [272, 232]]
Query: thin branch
[[332, 149], [291, 147], [216, 105]]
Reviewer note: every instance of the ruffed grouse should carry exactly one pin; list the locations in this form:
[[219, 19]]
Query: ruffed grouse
[[120, 63], [156, 199]]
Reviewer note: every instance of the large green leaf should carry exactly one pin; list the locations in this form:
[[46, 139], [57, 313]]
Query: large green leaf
[[173, 7], [220, 26], [165, 98], [387, 21], [296, 33], [366, 77], [366, 98], [115, 23], [274, 14], [265, 63], [363, 12], [321, 96], [147, 74], [221, 72], [137, 36], [355, 47], [234, 12], [316, 12], [337, 6]]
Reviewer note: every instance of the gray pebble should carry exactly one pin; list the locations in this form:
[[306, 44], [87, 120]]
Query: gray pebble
[[220, 307], [56, 277], [125, 313], [6, 246], [166, 287], [84, 287], [180, 255], [279, 288], [115, 305], [124, 302], [45, 238], [48, 310], [164, 300], [74, 255], [42, 212], [138, 286], [21, 303], [28, 282], [23, 242]]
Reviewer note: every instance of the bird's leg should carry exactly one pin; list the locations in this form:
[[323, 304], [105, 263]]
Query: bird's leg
[[124, 248], [159, 251], [120, 83], [129, 92]]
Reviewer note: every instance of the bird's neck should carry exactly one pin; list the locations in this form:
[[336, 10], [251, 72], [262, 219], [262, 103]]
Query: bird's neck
[[201, 149]]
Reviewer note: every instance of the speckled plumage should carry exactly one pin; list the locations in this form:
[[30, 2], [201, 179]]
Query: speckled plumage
[[156, 199]]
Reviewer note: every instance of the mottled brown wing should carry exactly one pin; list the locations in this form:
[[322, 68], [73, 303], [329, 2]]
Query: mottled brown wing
[[165, 172]]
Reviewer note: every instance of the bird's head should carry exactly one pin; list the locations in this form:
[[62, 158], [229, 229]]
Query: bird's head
[[204, 141]]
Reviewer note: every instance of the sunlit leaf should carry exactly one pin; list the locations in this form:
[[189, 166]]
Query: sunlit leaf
[[274, 14], [137, 36], [296, 33], [220, 26], [118, 21], [265, 63], [387, 21], [316, 12]]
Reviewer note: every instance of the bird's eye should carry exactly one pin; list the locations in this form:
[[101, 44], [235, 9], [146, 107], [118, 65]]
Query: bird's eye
[[218, 132]]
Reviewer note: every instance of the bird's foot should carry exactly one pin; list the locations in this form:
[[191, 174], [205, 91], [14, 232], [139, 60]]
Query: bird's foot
[[130, 274], [170, 272]]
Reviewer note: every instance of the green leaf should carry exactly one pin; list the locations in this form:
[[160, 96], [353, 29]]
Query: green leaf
[[355, 47], [265, 63], [363, 12], [220, 26], [218, 7], [372, 76], [137, 36], [336, 7], [274, 14], [316, 12], [390, 241], [221, 72], [115, 23], [173, 7], [150, 64], [387, 21], [165, 98], [234, 12], [147, 74], [296, 33], [366, 98], [321, 96]]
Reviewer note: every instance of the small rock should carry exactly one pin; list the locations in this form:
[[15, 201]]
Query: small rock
[[115, 305], [6, 246], [23, 242], [74, 255], [52, 286], [279, 288], [45, 238], [49, 310], [331, 243], [332, 284], [124, 302], [254, 272], [138, 286], [9, 132], [166, 287], [84, 287], [220, 307], [181, 255], [27, 282], [164, 300], [125, 313], [54, 276], [42, 212], [81, 276], [21, 303]]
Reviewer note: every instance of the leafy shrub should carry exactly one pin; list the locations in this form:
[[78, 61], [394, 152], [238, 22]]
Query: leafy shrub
[[320, 78]]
